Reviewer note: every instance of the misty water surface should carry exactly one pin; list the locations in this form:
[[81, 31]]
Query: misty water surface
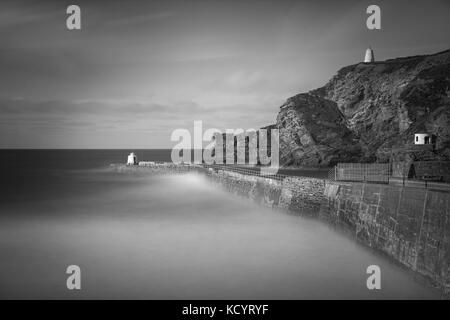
[[172, 237]]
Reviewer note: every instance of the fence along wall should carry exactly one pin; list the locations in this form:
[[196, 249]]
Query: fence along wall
[[380, 172], [372, 172], [426, 170]]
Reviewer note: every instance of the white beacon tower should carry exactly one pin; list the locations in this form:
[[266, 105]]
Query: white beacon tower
[[132, 159], [369, 56]]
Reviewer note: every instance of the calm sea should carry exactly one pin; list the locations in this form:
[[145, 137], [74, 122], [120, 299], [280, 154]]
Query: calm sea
[[166, 237]]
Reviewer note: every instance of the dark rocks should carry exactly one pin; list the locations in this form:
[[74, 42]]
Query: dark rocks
[[313, 132], [370, 112]]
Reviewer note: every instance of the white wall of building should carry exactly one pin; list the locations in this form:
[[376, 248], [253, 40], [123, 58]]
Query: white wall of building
[[132, 159], [422, 138]]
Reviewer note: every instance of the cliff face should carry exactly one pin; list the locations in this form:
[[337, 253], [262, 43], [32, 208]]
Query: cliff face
[[370, 111], [313, 132]]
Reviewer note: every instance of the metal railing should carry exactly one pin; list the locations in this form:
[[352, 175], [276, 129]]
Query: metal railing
[[359, 172], [250, 172], [380, 173], [365, 172]]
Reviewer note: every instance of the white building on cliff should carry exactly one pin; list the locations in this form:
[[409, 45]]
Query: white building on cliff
[[424, 139]]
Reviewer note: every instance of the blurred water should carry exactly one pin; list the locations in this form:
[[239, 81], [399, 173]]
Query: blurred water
[[168, 237]]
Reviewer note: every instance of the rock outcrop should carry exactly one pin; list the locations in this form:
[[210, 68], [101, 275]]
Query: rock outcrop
[[370, 111], [313, 132]]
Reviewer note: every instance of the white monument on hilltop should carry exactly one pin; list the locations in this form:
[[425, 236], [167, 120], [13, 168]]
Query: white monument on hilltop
[[369, 56], [132, 159]]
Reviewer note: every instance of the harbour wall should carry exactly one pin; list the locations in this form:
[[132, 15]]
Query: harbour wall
[[410, 225], [296, 194]]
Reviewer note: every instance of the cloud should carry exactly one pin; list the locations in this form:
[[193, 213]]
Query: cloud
[[113, 123], [15, 14], [21, 106], [243, 79], [143, 18]]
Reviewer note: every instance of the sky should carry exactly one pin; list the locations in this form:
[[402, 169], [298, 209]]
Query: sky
[[138, 70]]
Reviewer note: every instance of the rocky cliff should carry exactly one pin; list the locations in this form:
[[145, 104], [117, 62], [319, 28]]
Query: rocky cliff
[[313, 131], [370, 111]]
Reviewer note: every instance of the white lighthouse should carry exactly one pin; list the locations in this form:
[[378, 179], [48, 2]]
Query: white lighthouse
[[369, 56], [132, 159]]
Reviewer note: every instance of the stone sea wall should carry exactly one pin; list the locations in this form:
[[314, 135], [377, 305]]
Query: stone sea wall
[[411, 225], [296, 194], [153, 168]]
